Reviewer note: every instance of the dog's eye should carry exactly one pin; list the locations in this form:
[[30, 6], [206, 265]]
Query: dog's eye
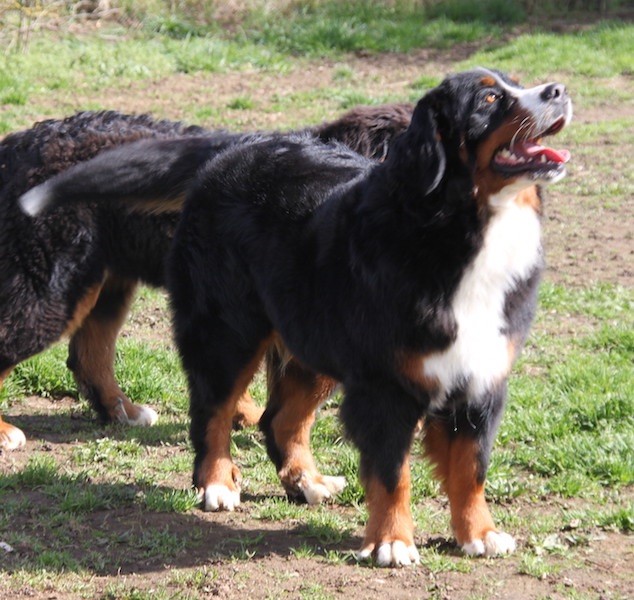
[[491, 97]]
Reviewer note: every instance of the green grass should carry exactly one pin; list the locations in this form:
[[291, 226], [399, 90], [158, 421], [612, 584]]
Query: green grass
[[580, 413], [601, 51], [63, 64], [491, 11]]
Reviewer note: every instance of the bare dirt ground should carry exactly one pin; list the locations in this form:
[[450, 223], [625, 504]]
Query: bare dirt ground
[[587, 241]]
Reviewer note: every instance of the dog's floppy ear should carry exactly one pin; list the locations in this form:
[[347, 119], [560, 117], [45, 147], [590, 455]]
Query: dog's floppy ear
[[421, 145]]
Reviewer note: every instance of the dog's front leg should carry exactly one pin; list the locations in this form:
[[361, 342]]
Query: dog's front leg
[[458, 445], [381, 419]]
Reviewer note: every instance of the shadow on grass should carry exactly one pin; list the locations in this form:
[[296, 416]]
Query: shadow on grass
[[66, 524], [80, 427]]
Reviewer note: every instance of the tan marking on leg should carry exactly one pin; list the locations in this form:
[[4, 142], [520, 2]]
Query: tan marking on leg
[[11, 437], [217, 467], [470, 516], [248, 413], [83, 308], [390, 516], [94, 346], [389, 533], [456, 465], [298, 392]]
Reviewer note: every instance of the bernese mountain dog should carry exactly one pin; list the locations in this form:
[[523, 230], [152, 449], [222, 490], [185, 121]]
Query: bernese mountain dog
[[411, 282], [74, 270]]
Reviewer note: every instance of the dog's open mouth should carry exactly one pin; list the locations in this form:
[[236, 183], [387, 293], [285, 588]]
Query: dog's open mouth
[[531, 157]]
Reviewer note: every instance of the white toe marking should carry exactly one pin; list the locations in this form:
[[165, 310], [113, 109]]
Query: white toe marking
[[220, 497], [493, 544], [400, 554], [146, 418], [384, 555], [365, 553], [316, 492], [396, 554], [334, 484], [473, 548], [498, 542], [12, 438]]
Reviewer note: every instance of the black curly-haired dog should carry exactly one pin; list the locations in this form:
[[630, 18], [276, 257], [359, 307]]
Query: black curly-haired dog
[[74, 270], [412, 282]]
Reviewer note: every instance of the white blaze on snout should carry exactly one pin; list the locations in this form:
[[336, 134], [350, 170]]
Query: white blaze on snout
[[530, 99]]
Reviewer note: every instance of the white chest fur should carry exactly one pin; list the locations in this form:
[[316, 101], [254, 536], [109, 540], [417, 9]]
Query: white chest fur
[[480, 353]]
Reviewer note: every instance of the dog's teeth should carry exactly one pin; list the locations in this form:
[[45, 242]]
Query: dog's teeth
[[542, 158]]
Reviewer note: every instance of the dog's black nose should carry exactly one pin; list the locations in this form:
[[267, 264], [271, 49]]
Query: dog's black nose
[[554, 92]]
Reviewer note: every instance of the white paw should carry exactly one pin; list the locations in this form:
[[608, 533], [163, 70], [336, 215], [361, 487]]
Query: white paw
[[11, 437], [494, 543], [146, 418], [220, 497], [394, 554], [316, 492]]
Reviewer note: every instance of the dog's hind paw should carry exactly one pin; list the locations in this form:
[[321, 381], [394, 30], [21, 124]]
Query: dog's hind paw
[[392, 554], [494, 543], [11, 437], [135, 415], [319, 489], [146, 418], [219, 497]]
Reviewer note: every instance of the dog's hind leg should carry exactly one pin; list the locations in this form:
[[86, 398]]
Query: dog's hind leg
[[10, 436], [92, 352], [219, 364], [295, 393], [459, 455], [248, 413]]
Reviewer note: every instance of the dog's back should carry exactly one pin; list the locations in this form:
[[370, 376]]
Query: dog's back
[[368, 130], [31, 156]]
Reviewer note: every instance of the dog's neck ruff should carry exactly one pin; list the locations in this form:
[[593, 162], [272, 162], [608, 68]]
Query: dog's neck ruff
[[479, 356]]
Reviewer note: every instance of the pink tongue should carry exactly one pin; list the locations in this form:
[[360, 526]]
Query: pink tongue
[[552, 155]]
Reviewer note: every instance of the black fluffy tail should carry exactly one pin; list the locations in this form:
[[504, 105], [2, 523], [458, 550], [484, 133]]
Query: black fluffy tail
[[150, 175]]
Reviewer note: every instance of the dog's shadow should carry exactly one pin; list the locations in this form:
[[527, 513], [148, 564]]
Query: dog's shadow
[[113, 532], [80, 426]]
